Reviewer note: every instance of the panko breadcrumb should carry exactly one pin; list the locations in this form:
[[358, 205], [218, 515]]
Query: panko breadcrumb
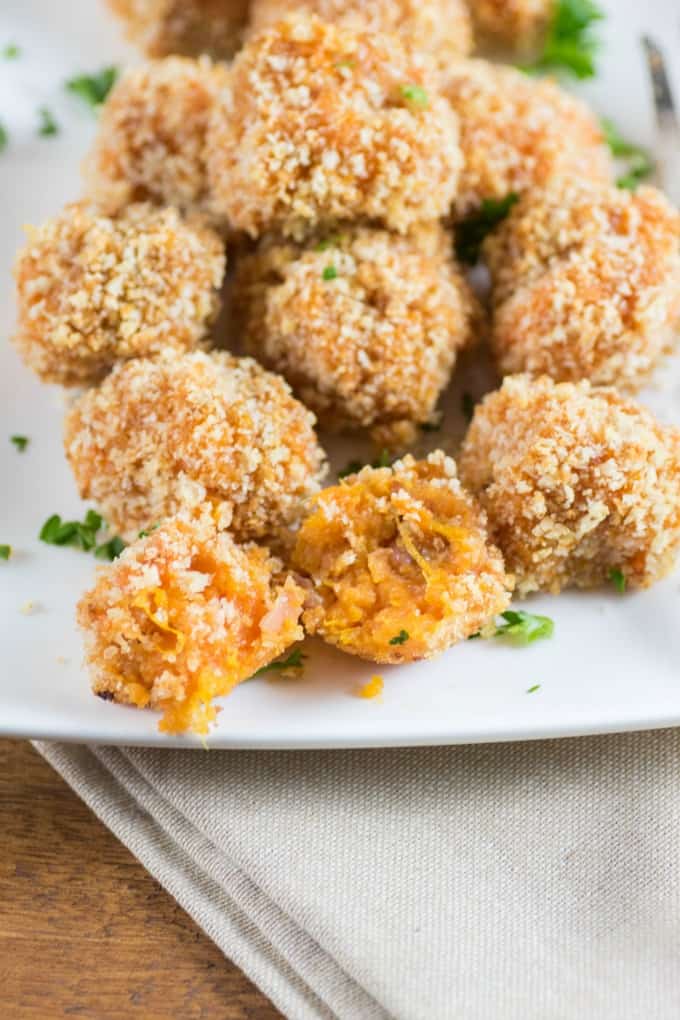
[[189, 27], [182, 616], [518, 25], [586, 283], [578, 483], [441, 28], [152, 132], [162, 435], [321, 123], [399, 562], [365, 325], [516, 132], [93, 290]]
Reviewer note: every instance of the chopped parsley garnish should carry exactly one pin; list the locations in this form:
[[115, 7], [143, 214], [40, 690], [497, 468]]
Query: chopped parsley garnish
[[110, 550], [471, 232], [332, 241], [47, 126], [400, 638], [524, 628], [569, 41], [147, 531], [11, 52], [93, 88], [618, 579], [639, 162], [532, 690], [5, 552], [81, 535], [4, 138], [330, 273], [21, 442], [384, 460], [415, 94], [467, 403], [294, 661]]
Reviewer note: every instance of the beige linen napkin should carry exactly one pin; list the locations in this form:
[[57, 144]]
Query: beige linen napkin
[[499, 882]]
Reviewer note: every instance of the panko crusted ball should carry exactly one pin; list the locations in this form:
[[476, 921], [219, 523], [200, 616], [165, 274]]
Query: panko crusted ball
[[94, 290], [162, 435], [183, 616], [321, 123], [399, 562], [578, 483], [516, 132], [189, 27], [440, 28], [365, 325], [586, 283], [515, 24], [152, 132]]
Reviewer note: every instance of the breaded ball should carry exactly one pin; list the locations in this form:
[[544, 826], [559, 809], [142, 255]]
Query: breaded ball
[[365, 325], [182, 616], [441, 28], [160, 436], [189, 27], [152, 133], [399, 561], [516, 132], [515, 24], [578, 483], [92, 290], [586, 283], [321, 123]]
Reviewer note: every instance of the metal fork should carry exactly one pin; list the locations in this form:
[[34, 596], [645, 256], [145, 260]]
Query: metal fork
[[668, 127]]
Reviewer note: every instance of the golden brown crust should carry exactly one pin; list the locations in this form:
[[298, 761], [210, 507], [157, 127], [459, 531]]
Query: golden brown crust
[[441, 28], [151, 139], [94, 290], [576, 482], [399, 553], [187, 27], [159, 436], [516, 132], [317, 125], [371, 346], [586, 283], [182, 616]]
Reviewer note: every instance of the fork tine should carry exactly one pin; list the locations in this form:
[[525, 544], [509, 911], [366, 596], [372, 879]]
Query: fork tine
[[668, 127]]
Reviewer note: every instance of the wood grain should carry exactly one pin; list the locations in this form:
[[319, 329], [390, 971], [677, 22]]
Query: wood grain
[[84, 930]]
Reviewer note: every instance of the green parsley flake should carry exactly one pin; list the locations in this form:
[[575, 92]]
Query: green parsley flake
[[640, 164], [415, 94], [147, 531], [93, 88], [618, 579], [4, 138], [294, 661], [524, 628], [21, 442], [400, 638], [80, 534], [110, 550], [471, 232], [569, 41], [48, 126], [5, 552], [330, 273], [11, 52], [383, 460], [532, 690]]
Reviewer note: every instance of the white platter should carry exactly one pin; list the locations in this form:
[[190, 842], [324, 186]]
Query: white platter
[[614, 663]]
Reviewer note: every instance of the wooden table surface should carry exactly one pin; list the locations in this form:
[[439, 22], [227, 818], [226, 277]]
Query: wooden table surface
[[84, 930]]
